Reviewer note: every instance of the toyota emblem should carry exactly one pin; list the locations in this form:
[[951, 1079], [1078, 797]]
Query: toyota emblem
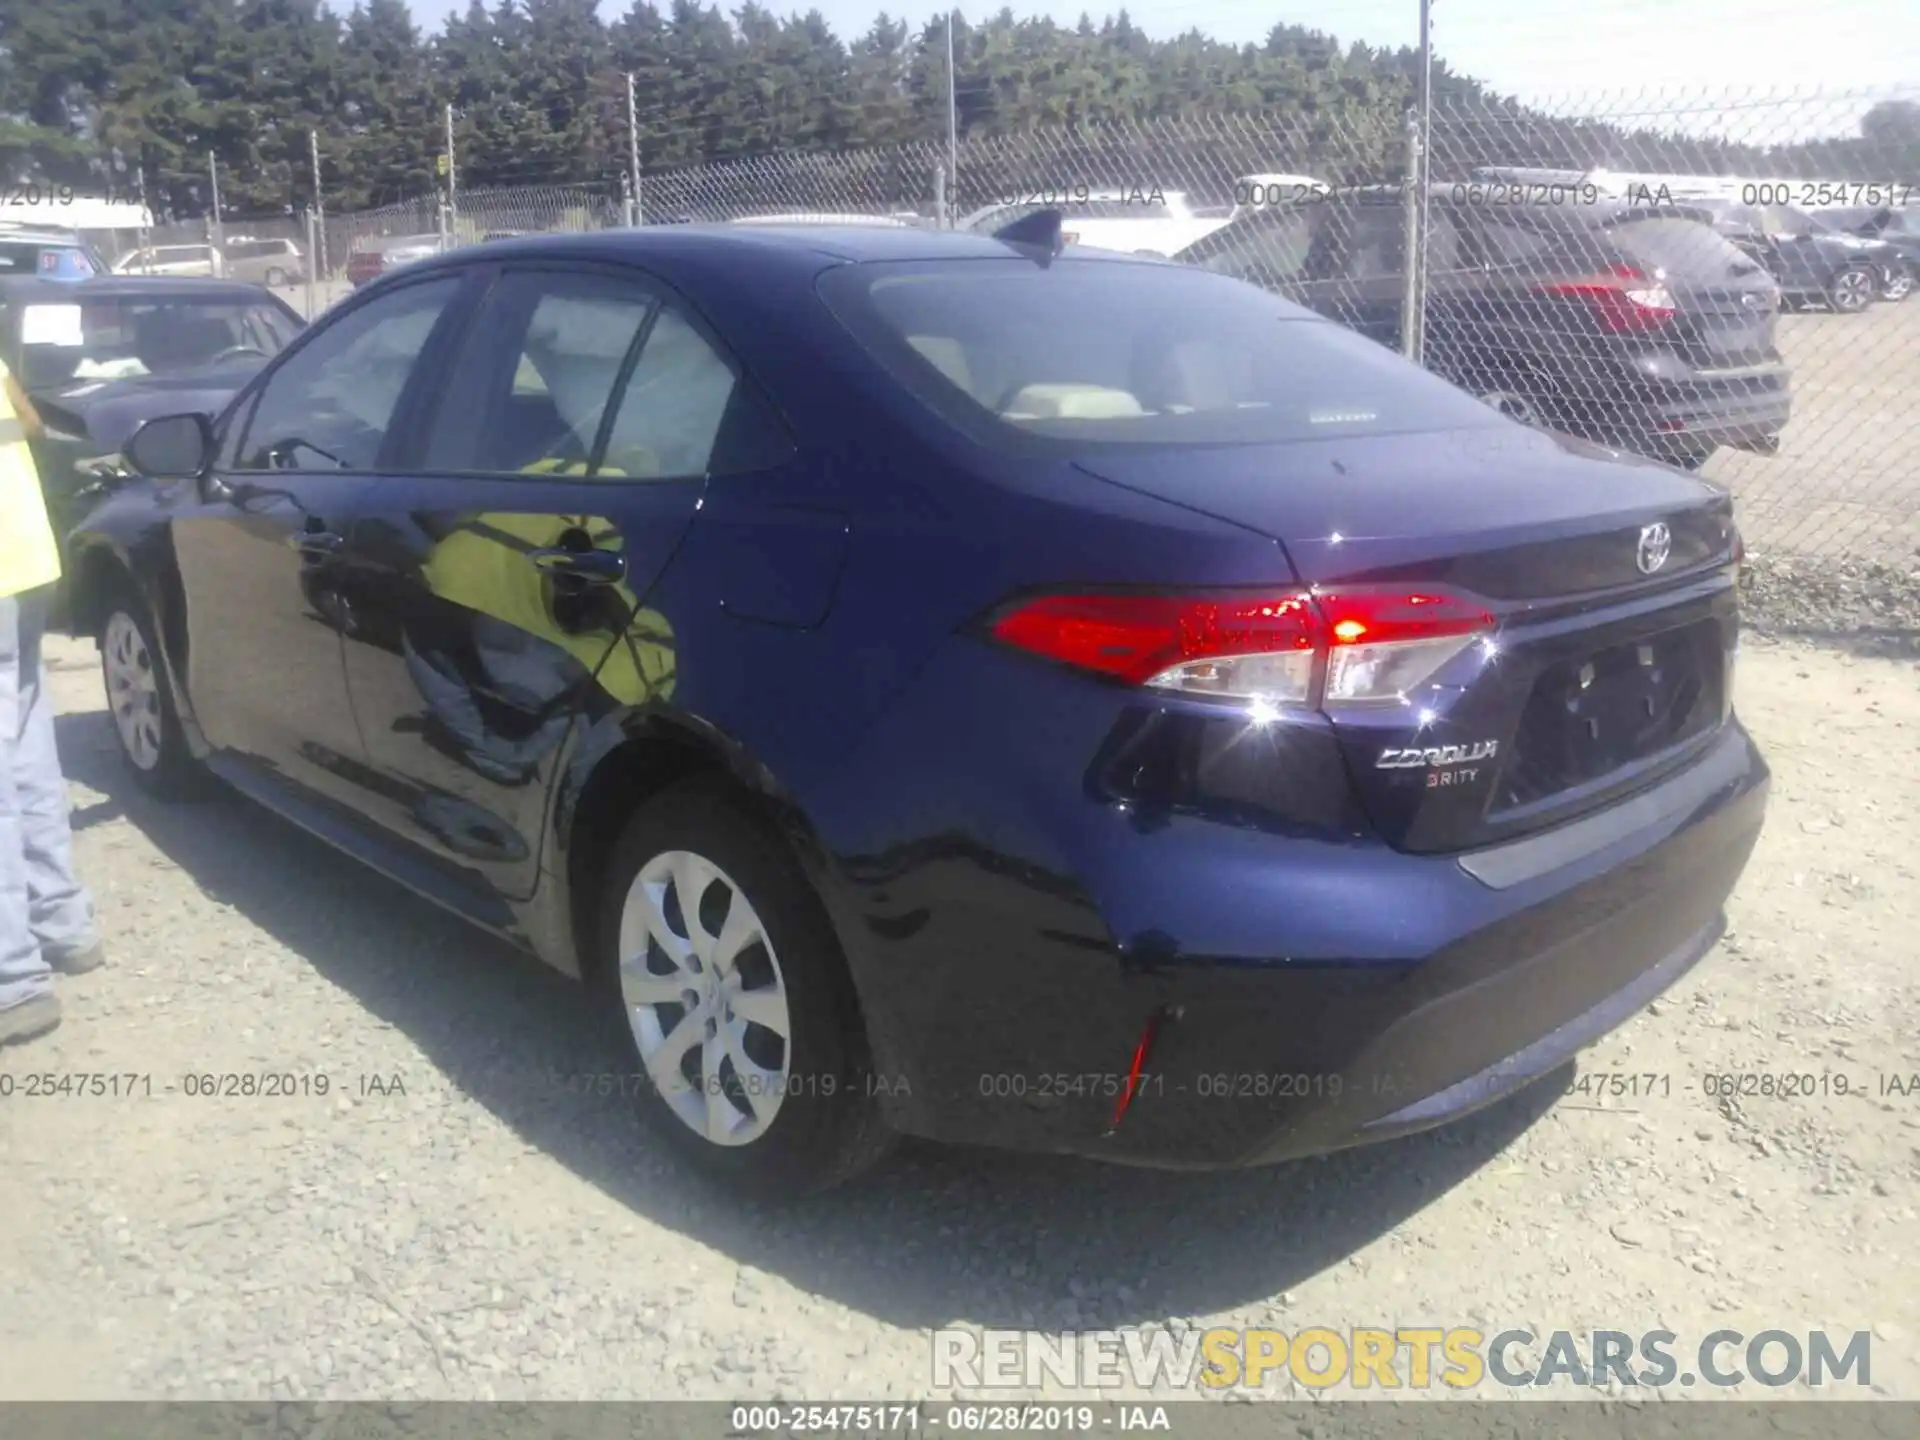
[[1656, 544]]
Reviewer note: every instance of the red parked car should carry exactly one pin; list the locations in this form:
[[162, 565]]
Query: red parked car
[[376, 257]]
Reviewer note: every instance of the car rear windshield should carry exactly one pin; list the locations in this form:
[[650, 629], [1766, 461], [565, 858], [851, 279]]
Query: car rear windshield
[[1086, 353], [111, 338], [59, 262], [1683, 249]]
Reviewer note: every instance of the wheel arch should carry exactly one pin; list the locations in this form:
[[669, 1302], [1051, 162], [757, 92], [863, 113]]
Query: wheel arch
[[623, 762]]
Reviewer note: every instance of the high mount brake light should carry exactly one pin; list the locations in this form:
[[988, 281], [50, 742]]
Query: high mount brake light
[[1365, 645], [1622, 298]]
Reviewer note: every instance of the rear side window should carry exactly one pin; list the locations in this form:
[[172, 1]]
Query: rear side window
[[1090, 354], [538, 372], [1268, 248], [1684, 249]]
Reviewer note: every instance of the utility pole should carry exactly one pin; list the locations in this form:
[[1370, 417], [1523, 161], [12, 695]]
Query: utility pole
[[453, 202], [633, 152], [146, 215], [318, 260], [953, 118], [217, 235]]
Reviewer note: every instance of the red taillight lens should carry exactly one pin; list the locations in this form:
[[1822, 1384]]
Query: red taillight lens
[[1363, 645], [1622, 298], [1139, 638]]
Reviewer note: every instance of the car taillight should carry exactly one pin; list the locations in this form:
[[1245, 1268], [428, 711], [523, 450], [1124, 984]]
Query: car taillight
[[1622, 298], [1364, 645]]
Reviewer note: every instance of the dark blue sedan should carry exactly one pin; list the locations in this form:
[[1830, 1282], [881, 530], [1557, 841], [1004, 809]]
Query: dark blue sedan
[[930, 684]]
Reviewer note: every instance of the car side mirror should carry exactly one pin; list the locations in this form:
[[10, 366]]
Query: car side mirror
[[172, 447]]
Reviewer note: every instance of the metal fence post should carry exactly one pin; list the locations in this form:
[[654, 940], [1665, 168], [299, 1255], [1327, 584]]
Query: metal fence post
[[313, 251], [1412, 296], [940, 217]]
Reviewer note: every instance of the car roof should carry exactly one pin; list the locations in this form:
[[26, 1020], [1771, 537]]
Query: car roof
[[119, 287], [814, 245], [39, 234]]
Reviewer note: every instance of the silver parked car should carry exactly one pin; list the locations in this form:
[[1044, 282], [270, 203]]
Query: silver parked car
[[264, 261]]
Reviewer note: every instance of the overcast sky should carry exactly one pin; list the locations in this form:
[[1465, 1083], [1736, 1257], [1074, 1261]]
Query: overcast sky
[[1657, 56]]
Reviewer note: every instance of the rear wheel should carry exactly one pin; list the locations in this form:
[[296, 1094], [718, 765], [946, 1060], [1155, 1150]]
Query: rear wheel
[[140, 703], [1898, 285], [1852, 290], [736, 999]]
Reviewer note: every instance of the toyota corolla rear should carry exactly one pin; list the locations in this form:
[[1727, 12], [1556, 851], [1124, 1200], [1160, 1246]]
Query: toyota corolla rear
[[1313, 755]]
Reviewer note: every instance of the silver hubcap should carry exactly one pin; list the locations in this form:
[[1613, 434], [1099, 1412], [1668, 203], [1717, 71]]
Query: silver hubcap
[[1514, 407], [705, 998], [1851, 290], [133, 694], [1899, 285]]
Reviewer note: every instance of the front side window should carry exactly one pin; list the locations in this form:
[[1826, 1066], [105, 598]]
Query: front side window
[[329, 406], [1088, 354]]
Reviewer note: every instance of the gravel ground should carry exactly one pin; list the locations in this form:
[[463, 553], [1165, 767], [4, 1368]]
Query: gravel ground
[[451, 1221]]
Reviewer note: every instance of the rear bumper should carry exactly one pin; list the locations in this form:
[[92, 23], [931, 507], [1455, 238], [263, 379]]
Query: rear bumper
[[1252, 1061], [1744, 415]]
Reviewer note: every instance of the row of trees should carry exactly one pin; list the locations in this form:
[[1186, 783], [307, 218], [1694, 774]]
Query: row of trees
[[101, 94]]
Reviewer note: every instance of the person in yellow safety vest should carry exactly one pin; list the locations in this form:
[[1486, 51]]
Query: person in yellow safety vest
[[479, 565], [46, 914]]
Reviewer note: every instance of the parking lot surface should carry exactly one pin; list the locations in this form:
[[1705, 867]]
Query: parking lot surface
[[455, 1217], [1846, 479]]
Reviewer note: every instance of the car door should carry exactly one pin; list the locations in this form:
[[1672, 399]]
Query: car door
[[256, 554], [1795, 257], [500, 588]]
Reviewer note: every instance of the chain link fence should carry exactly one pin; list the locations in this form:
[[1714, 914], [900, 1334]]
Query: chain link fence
[[1739, 304]]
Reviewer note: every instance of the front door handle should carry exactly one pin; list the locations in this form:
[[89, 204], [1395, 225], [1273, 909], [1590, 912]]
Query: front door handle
[[588, 567]]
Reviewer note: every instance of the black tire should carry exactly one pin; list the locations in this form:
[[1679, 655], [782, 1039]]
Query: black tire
[[172, 772], [828, 1126], [1852, 290]]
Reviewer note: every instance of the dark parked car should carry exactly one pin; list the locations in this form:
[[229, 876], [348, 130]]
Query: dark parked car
[[50, 254], [1898, 227], [1627, 324], [1814, 263], [99, 357], [927, 684]]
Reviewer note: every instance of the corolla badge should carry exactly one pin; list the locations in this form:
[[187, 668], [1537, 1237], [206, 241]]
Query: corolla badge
[[1656, 544]]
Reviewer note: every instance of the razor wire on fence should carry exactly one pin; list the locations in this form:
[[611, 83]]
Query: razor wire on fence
[[1699, 278]]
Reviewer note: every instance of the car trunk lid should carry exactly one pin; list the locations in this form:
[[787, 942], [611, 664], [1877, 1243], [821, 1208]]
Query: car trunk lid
[[1609, 586]]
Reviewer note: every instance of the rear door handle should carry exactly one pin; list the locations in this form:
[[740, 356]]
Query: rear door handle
[[317, 544], [589, 567]]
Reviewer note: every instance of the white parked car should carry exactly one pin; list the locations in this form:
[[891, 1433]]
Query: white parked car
[[1143, 222], [171, 260]]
